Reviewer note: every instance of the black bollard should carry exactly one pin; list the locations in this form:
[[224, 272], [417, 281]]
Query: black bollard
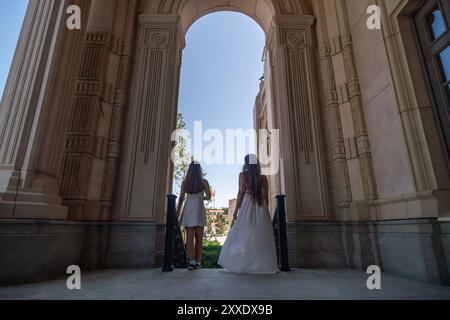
[[284, 254], [170, 231]]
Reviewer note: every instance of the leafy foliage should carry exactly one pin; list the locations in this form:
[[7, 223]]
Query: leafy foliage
[[182, 161], [211, 253]]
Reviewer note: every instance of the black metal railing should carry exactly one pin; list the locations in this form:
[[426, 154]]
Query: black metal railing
[[179, 250], [174, 249], [280, 234]]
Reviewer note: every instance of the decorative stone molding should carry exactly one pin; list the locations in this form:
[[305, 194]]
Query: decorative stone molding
[[89, 173], [336, 45], [151, 119], [359, 122], [296, 94], [113, 151], [35, 97], [287, 7], [155, 39], [123, 51], [295, 42], [335, 134], [426, 159], [295, 39], [343, 93], [82, 140]]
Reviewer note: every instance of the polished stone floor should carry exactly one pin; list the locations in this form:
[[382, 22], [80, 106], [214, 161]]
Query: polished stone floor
[[217, 285]]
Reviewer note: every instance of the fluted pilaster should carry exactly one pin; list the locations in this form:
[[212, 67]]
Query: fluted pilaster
[[32, 113], [146, 175], [305, 184]]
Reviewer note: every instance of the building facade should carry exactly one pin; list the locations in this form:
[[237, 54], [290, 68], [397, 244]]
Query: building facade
[[362, 113]]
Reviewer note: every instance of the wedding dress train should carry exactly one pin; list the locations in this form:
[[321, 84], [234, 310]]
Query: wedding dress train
[[250, 246]]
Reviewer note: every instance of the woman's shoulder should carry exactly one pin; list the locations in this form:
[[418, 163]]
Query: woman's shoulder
[[205, 183]]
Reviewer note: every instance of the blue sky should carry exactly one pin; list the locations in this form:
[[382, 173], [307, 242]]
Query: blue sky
[[219, 80], [12, 13], [219, 83]]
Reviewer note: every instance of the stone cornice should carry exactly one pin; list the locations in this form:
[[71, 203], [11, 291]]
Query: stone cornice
[[289, 20], [159, 18]]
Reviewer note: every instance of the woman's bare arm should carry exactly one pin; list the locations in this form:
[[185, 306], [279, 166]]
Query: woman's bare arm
[[207, 190], [240, 196], [265, 189], [181, 200]]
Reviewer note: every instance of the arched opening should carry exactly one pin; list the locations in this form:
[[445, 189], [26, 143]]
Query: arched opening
[[290, 82], [221, 75], [259, 11], [66, 106]]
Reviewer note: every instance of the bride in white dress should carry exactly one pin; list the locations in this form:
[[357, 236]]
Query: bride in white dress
[[250, 246]]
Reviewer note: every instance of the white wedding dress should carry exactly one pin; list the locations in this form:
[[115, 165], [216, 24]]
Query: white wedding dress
[[250, 246]]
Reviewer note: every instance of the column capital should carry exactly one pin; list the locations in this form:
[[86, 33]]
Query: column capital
[[159, 18], [290, 31], [293, 20], [155, 36]]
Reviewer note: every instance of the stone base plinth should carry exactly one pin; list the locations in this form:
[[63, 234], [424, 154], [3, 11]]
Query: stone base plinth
[[414, 249], [38, 250]]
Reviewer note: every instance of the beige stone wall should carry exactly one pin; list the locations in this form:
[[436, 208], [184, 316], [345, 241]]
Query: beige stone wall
[[264, 120], [358, 136], [401, 127], [34, 109], [380, 164], [93, 144]]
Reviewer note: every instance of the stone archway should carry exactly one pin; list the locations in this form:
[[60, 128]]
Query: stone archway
[[153, 106], [63, 157]]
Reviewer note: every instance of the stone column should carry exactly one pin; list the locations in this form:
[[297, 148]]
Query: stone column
[[305, 183], [151, 120], [339, 176], [359, 123], [336, 146], [33, 111]]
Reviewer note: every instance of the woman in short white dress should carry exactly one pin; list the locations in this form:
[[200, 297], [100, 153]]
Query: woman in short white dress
[[250, 246], [194, 191]]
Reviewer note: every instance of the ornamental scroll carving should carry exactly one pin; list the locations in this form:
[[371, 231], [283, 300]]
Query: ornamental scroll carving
[[296, 42], [155, 39], [154, 45], [296, 39]]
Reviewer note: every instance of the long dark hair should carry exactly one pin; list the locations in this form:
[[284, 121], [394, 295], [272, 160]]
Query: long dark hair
[[194, 179], [252, 174]]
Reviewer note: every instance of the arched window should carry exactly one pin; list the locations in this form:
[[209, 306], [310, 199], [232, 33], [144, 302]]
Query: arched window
[[432, 23]]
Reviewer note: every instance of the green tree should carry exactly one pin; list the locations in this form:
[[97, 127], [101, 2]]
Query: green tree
[[181, 163]]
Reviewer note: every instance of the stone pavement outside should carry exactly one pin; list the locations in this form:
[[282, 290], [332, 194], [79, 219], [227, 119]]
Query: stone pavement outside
[[213, 284]]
